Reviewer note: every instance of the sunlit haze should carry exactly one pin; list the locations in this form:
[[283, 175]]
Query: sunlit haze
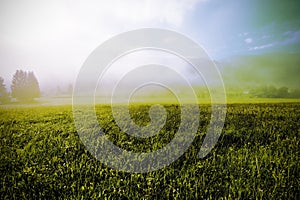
[[54, 38]]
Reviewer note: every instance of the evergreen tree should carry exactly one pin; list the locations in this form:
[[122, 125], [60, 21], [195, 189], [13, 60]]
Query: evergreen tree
[[25, 86], [4, 96], [18, 86], [33, 85]]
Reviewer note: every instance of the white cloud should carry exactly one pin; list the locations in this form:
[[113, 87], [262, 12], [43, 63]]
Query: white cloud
[[261, 47], [133, 12], [55, 37], [292, 37], [249, 40], [44, 20], [243, 34]]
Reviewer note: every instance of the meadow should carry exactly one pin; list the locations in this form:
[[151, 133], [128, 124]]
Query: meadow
[[256, 157]]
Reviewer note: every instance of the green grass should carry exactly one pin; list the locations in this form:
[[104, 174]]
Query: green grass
[[256, 157]]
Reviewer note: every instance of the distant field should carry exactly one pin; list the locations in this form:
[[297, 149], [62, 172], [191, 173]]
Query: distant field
[[67, 100], [256, 157]]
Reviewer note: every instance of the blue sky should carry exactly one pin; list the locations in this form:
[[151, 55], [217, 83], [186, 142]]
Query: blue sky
[[53, 38], [229, 28]]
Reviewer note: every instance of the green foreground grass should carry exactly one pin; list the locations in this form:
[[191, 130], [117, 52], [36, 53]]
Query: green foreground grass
[[256, 157]]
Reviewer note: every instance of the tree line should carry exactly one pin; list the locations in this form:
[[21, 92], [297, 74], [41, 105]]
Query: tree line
[[274, 92], [24, 87]]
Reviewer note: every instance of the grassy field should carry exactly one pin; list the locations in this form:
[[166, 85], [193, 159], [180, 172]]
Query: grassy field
[[256, 157]]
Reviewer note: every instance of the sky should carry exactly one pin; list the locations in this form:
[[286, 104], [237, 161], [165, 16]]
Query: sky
[[54, 38]]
